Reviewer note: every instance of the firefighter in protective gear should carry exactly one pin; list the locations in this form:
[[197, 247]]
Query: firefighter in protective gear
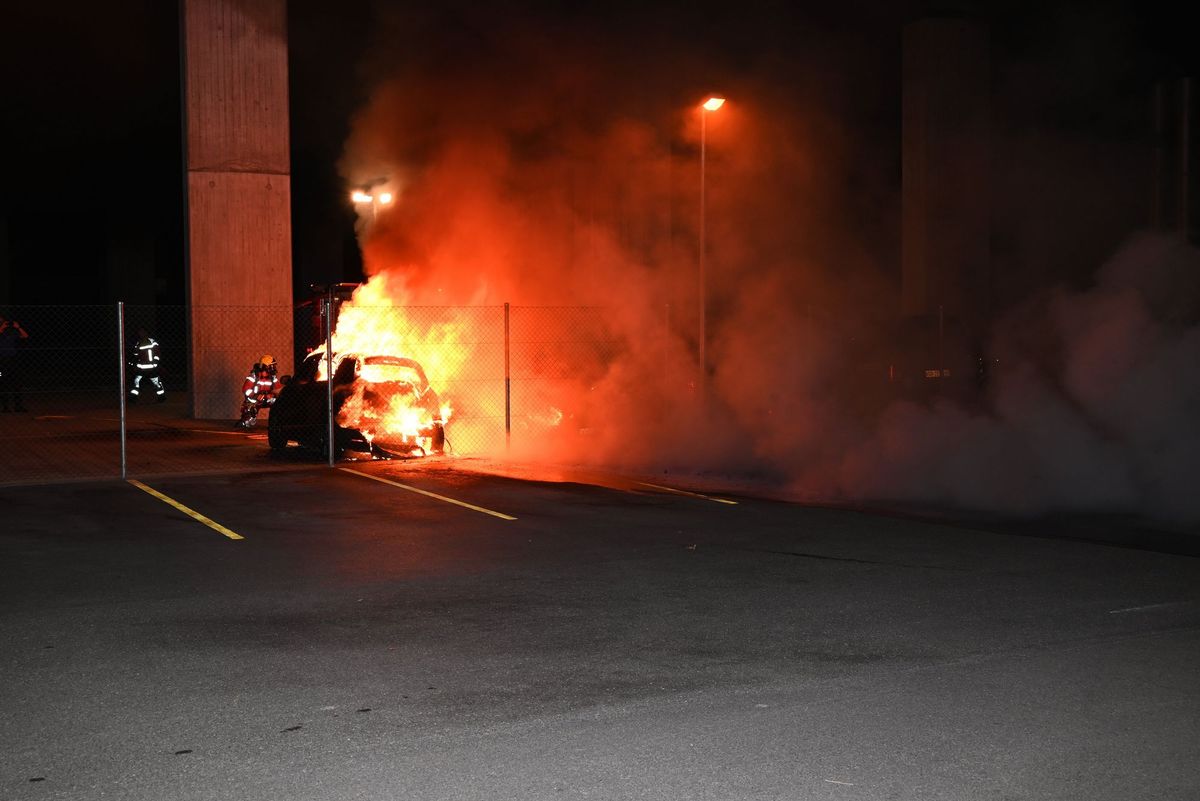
[[146, 358], [259, 390]]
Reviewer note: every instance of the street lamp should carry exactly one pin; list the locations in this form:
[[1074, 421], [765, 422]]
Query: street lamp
[[361, 196], [711, 104]]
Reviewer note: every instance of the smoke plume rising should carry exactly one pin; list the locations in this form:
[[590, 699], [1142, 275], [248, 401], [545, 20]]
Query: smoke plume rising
[[537, 166]]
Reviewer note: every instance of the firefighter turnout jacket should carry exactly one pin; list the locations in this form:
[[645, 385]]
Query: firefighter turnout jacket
[[146, 357], [260, 383], [147, 353]]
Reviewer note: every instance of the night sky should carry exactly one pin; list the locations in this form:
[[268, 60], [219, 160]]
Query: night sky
[[92, 150]]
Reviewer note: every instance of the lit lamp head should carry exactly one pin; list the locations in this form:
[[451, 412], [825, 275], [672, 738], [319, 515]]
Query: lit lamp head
[[359, 196], [713, 103]]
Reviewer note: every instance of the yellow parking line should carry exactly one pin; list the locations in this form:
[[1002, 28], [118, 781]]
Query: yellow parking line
[[685, 492], [428, 494], [189, 512]]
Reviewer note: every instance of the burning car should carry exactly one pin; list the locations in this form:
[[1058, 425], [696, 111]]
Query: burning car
[[383, 405]]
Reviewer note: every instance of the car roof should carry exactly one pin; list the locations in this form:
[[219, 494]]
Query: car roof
[[401, 361], [379, 358]]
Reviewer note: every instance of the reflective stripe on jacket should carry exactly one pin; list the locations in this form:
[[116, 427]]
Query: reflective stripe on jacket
[[260, 386], [148, 353]]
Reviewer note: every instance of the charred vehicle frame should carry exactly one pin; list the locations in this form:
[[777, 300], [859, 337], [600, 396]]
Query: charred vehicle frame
[[365, 390]]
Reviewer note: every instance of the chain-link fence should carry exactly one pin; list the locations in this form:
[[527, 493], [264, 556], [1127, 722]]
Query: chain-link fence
[[555, 354], [113, 391], [60, 393]]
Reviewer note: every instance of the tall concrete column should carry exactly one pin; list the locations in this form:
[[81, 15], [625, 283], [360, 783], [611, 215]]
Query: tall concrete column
[[1177, 158], [946, 214], [239, 242]]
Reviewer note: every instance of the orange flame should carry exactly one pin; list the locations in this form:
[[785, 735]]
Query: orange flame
[[388, 401]]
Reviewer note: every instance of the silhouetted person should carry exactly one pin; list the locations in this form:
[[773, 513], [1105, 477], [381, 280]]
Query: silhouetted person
[[146, 357], [12, 336]]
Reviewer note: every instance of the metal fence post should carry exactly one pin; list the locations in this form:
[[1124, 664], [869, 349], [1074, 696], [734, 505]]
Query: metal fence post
[[121, 378], [507, 383], [941, 366], [329, 371]]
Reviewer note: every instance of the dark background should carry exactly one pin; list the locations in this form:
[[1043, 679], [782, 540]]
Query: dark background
[[92, 159]]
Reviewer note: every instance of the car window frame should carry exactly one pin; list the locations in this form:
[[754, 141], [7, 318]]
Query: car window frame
[[309, 368]]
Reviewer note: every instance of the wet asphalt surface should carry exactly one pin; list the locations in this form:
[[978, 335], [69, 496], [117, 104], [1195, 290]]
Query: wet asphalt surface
[[363, 641]]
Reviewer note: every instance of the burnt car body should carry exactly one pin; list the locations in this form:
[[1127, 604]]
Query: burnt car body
[[368, 392]]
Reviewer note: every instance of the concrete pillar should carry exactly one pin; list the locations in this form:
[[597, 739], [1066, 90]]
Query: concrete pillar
[[946, 216], [1186, 167], [1176, 176], [239, 247]]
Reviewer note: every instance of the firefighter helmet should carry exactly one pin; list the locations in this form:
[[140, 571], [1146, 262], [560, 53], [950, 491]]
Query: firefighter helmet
[[267, 360]]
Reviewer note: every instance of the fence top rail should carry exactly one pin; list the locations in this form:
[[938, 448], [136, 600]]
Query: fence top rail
[[565, 308], [182, 306], [5, 307], [399, 307]]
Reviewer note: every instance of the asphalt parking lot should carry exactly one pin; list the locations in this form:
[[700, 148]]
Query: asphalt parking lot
[[441, 630]]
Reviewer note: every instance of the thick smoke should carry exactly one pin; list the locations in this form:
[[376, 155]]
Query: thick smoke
[[535, 166], [1095, 405]]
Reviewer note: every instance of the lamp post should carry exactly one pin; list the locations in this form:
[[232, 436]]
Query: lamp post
[[711, 104], [360, 197]]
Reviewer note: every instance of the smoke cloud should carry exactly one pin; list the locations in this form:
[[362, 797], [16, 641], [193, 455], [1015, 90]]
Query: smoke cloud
[[534, 165], [1094, 406]]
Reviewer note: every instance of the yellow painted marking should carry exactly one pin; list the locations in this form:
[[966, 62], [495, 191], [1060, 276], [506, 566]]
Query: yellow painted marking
[[428, 494], [685, 492], [215, 526]]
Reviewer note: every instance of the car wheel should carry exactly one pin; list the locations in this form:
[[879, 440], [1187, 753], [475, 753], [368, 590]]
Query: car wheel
[[276, 436], [318, 443]]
